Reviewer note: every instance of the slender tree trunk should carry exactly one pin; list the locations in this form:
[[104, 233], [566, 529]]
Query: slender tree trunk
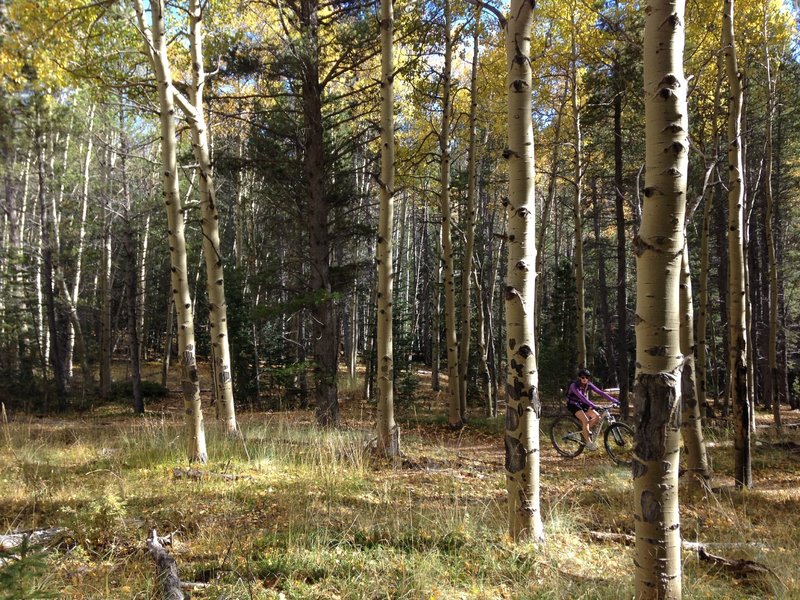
[[436, 325], [602, 286], [483, 349], [737, 333], [658, 246], [455, 415], [190, 383], [142, 295], [388, 431], [691, 417], [105, 276], [623, 371], [771, 383], [131, 275], [469, 227], [577, 217], [47, 224], [209, 223], [549, 202], [523, 408]]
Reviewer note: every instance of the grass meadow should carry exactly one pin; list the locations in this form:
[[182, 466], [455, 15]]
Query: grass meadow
[[290, 511]]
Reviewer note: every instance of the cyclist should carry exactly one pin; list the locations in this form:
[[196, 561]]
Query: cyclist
[[580, 406]]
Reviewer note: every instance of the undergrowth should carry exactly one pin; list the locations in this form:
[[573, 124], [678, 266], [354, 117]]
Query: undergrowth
[[286, 510]]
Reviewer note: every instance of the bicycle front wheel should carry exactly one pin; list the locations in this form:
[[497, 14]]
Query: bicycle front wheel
[[565, 433], [618, 441]]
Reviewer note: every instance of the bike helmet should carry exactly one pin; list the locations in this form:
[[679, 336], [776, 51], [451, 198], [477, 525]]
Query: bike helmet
[[584, 373]]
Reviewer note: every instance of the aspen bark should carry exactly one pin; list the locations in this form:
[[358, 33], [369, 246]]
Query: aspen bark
[[737, 333], [691, 416], [48, 228], [659, 246], [209, 223], [523, 408], [156, 47], [455, 413], [577, 202], [771, 383], [469, 226], [388, 431], [105, 276]]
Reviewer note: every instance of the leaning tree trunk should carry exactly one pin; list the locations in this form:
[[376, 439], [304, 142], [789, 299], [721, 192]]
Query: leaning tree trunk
[[658, 246], [388, 432], [737, 334], [156, 46], [523, 408], [455, 414]]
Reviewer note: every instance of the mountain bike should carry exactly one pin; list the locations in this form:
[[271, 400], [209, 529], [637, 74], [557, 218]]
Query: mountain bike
[[565, 433]]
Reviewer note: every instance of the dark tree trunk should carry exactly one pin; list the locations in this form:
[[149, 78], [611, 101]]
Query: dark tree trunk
[[608, 335], [325, 330]]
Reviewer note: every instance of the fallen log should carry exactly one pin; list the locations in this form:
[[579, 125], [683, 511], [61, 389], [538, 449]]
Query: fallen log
[[39, 537], [167, 569]]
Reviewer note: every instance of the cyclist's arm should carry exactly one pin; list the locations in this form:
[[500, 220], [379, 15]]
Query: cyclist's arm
[[603, 394]]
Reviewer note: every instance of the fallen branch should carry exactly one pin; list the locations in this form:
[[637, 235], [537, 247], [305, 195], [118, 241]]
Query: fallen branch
[[197, 474], [39, 537], [167, 568], [739, 567]]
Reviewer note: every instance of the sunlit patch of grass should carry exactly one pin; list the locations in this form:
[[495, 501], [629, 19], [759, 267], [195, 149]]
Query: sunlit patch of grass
[[310, 513]]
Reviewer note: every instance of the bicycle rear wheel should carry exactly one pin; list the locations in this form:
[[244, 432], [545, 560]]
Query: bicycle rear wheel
[[618, 441], [565, 433]]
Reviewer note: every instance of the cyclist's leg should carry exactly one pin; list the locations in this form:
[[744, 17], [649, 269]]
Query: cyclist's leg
[[593, 416], [584, 419]]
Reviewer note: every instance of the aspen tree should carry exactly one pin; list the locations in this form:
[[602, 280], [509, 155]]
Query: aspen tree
[[772, 379], [737, 332], [466, 270], [691, 417], [388, 431], [455, 413], [659, 246], [523, 408], [156, 49], [209, 223], [577, 201]]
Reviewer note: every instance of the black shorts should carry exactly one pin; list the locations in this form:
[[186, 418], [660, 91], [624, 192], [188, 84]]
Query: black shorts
[[575, 408]]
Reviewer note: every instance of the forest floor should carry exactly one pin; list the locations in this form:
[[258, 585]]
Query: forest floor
[[291, 511]]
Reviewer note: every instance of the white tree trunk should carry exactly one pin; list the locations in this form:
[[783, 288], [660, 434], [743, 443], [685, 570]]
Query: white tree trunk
[[737, 333], [388, 431], [156, 46], [523, 408], [454, 414], [658, 247], [209, 223], [469, 226]]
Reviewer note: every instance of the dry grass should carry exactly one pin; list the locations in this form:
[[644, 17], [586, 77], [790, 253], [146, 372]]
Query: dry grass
[[311, 515]]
